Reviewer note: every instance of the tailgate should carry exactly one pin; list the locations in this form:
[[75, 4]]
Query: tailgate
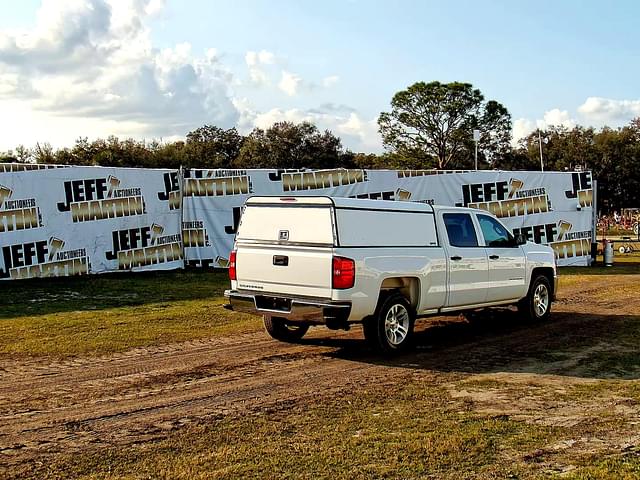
[[297, 271], [286, 248]]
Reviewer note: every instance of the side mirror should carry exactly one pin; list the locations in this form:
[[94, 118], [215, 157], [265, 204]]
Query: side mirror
[[521, 239]]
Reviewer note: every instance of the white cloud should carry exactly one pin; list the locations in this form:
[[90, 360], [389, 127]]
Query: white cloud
[[66, 35], [364, 131], [356, 133], [604, 110], [265, 119], [289, 83], [89, 68], [555, 117], [246, 122], [265, 57], [154, 7], [94, 59], [262, 73], [521, 128], [27, 127], [330, 81], [293, 84], [256, 62]]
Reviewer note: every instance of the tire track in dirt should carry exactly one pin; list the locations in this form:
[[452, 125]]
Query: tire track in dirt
[[139, 395]]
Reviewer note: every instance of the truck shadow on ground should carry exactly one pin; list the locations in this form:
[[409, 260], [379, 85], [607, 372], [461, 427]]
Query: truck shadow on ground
[[569, 344]]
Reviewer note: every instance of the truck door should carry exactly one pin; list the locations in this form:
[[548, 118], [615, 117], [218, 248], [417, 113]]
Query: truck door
[[506, 261], [467, 261]]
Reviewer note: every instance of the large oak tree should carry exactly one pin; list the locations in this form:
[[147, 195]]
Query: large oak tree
[[431, 124]]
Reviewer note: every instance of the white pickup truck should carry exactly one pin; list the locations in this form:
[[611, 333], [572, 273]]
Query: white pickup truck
[[302, 261]]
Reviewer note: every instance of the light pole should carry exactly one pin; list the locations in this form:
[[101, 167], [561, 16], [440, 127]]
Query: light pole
[[540, 143], [476, 139]]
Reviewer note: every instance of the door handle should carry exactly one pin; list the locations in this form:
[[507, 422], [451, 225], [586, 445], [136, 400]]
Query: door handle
[[494, 257], [281, 260], [456, 257]]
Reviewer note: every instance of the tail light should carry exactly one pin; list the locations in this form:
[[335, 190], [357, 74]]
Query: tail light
[[232, 266], [344, 273]]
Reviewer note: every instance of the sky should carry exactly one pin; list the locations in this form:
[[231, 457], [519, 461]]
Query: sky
[[157, 69]]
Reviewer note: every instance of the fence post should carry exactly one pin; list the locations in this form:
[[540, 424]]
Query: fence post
[[594, 223], [181, 181]]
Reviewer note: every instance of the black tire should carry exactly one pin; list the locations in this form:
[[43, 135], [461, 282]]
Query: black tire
[[279, 329], [390, 329], [536, 306]]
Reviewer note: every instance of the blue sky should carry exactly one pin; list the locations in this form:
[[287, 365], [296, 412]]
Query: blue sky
[[153, 68]]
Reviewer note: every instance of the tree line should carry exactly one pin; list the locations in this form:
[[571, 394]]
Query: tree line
[[429, 125]]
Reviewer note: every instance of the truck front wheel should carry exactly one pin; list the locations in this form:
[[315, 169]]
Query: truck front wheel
[[279, 329], [390, 329], [536, 306]]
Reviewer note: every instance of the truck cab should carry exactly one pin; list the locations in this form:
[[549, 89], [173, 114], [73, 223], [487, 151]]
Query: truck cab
[[304, 261]]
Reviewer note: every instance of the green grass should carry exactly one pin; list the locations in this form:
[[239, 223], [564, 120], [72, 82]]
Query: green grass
[[110, 313], [624, 264], [618, 467], [98, 292]]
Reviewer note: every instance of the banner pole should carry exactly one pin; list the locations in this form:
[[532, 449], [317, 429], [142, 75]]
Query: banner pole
[[181, 181], [594, 224]]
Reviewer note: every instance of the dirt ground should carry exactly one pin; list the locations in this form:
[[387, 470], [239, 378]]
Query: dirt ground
[[141, 395]]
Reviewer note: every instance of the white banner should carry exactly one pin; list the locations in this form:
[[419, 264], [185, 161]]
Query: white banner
[[81, 220], [552, 208], [58, 221]]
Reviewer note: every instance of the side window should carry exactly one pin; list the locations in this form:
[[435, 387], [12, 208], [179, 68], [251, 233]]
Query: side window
[[495, 235], [460, 230]]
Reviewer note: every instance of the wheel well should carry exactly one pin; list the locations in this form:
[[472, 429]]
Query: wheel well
[[547, 272], [408, 287]]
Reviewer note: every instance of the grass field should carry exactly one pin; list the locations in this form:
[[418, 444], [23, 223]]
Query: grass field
[[450, 423], [110, 313]]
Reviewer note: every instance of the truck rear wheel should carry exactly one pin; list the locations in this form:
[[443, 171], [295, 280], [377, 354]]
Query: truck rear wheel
[[279, 329], [390, 329], [536, 306]]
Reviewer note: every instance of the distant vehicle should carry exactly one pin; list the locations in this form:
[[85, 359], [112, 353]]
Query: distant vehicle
[[626, 246], [302, 261]]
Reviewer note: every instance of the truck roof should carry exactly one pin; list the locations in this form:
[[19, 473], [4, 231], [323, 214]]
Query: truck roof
[[364, 203], [342, 202]]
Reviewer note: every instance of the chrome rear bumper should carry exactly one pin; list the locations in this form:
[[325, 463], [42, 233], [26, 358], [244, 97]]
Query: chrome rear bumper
[[293, 309]]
